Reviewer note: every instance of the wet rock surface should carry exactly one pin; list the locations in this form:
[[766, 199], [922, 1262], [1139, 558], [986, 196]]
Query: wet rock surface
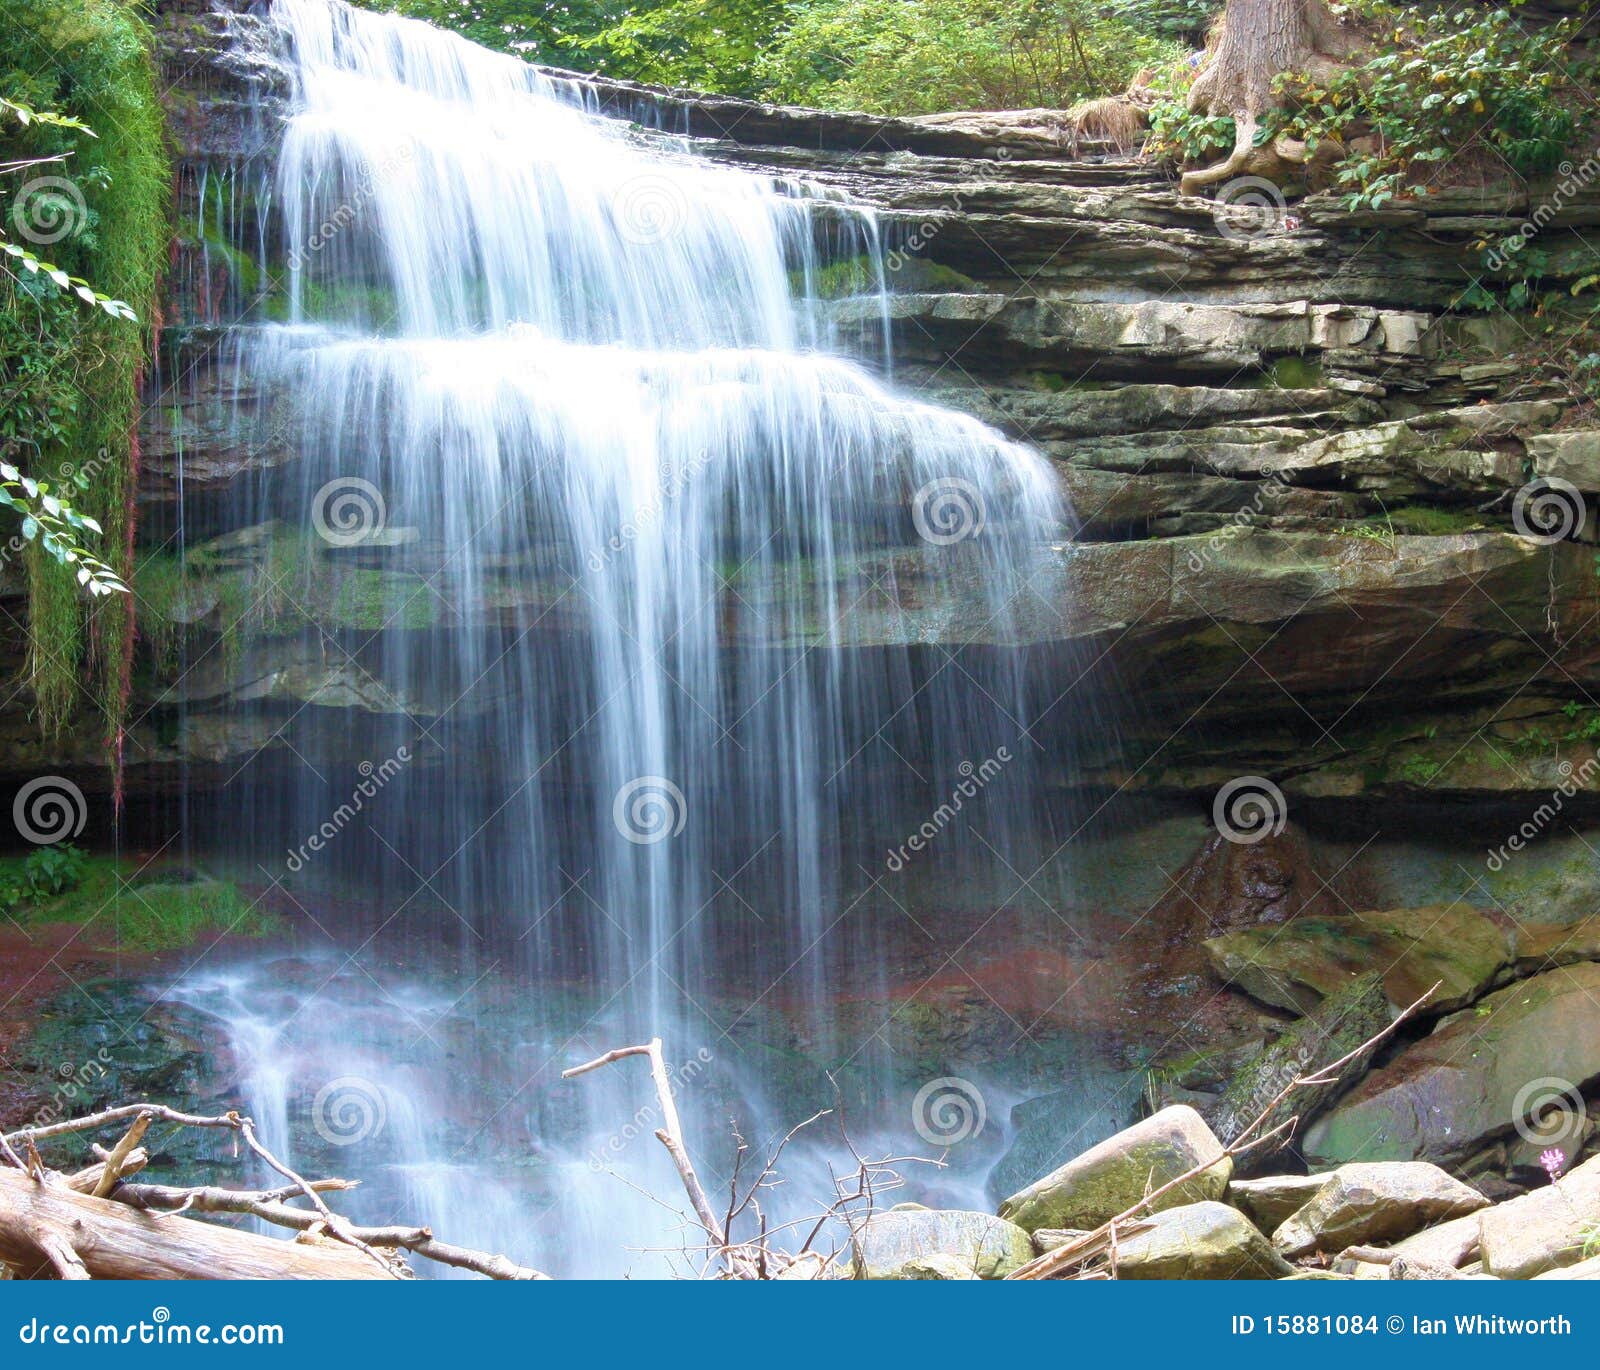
[[1470, 1082]]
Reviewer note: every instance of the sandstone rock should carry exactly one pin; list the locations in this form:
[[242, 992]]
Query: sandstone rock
[[1540, 947], [1336, 1030], [1414, 1268], [1362, 1204], [1297, 966], [1572, 456], [1453, 1243], [1199, 1241], [1231, 885], [1051, 1238], [1049, 1129], [1360, 1270], [1271, 1199], [896, 1245], [1544, 1230], [938, 1266], [809, 1266], [1443, 1097], [1583, 1270], [1114, 1175]]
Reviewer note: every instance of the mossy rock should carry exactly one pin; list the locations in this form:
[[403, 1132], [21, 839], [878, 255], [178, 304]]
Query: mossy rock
[[1296, 966], [897, 1245], [1474, 1078], [1111, 1177]]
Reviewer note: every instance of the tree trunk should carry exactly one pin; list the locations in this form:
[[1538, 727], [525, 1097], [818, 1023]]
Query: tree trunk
[[48, 1228], [1260, 40]]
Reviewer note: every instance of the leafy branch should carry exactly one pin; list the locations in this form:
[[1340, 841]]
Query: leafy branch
[[54, 524]]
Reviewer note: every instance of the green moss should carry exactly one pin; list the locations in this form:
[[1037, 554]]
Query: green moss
[[275, 583], [1295, 373], [163, 917], [1418, 770], [1426, 520], [119, 911], [860, 276], [370, 600]]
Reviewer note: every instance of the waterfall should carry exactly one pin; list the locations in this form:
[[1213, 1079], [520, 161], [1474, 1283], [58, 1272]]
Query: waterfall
[[679, 620]]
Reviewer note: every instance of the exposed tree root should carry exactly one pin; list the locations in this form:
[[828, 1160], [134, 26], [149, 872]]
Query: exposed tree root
[[1258, 41]]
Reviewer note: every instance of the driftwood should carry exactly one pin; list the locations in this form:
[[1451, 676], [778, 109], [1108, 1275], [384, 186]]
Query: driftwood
[[95, 1224], [1064, 1259], [46, 1227]]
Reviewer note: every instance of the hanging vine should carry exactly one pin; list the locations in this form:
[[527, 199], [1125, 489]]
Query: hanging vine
[[97, 205]]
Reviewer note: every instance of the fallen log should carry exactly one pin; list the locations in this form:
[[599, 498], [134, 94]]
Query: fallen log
[[46, 1228]]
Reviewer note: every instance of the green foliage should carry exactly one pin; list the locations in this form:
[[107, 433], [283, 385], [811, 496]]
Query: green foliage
[[1419, 771], [1442, 85], [52, 869], [882, 56], [1185, 20], [923, 56], [532, 29], [707, 44], [51, 521], [73, 373], [1586, 371], [74, 285], [44, 874], [1446, 95], [1428, 520]]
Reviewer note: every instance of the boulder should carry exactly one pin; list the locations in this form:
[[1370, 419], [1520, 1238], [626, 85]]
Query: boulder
[[1050, 1128], [1199, 1241], [899, 1244], [1542, 946], [1572, 456], [1113, 1176], [1583, 1270], [938, 1266], [1544, 1230], [1442, 1098], [1335, 1031], [1050, 1238], [1227, 886], [809, 1266], [1361, 1204], [1268, 1201], [1413, 1268], [1297, 966], [1452, 1243]]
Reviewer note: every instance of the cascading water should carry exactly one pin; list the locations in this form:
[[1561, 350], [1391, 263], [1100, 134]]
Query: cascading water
[[657, 590]]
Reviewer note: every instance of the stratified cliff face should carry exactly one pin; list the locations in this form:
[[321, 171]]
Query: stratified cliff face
[[1295, 473]]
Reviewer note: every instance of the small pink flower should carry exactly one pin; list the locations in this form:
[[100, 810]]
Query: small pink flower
[[1553, 1161]]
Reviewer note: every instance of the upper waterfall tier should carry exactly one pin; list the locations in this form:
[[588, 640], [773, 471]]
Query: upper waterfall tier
[[483, 195]]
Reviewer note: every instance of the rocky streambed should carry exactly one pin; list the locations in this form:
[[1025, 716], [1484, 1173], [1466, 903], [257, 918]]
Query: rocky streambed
[[1091, 1218]]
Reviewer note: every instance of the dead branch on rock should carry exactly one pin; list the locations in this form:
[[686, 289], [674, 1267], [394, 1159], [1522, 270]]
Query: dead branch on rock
[[94, 1223], [1055, 1264]]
